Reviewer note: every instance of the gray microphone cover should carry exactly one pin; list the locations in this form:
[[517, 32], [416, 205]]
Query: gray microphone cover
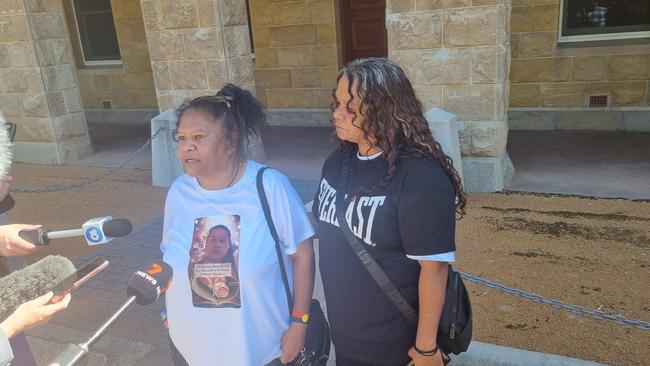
[[32, 281], [117, 228], [5, 148]]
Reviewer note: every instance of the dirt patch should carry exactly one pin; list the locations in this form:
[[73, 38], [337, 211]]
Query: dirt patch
[[589, 252], [561, 228], [571, 214]]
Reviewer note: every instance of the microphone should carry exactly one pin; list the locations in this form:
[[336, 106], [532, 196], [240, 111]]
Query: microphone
[[96, 231], [32, 281], [145, 286], [7, 202]]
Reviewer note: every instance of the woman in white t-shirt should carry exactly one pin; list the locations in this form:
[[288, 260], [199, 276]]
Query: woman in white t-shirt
[[227, 304]]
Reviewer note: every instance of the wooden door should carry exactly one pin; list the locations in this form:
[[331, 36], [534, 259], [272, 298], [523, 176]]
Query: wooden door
[[364, 29]]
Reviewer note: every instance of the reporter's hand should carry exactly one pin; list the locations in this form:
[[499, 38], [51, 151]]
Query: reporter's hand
[[33, 313], [4, 186], [293, 341], [11, 244]]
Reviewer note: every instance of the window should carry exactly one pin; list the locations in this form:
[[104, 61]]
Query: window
[[97, 32], [592, 20]]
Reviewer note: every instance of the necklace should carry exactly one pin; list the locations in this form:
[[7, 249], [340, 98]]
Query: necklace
[[235, 176]]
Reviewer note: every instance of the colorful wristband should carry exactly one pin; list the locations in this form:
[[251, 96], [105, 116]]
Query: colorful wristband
[[299, 317]]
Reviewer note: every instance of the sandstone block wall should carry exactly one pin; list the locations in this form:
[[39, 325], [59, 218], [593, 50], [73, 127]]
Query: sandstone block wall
[[196, 46], [38, 86], [456, 54], [545, 74], [296, 59], [126, 86]]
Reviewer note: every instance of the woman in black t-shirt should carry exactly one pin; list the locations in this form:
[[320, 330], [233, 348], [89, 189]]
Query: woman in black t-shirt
[[402, 196]]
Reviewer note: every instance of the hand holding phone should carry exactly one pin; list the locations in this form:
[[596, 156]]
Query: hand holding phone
[[78, 278]]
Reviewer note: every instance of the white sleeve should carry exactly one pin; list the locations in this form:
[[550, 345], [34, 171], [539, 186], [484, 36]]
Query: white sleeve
[[287, 210], [449, 257]]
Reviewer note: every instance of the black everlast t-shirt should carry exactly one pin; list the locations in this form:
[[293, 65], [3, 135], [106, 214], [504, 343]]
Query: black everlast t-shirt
[[414, 215]]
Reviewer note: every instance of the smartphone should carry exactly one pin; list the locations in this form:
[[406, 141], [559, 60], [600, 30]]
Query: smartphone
[[75, 280]]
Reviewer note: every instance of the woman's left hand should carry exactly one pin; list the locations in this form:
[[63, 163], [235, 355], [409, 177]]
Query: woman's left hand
[[421, 360], [293, 341]]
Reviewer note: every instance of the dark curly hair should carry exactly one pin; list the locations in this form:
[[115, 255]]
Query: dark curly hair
[[392, 116], [237, 109]]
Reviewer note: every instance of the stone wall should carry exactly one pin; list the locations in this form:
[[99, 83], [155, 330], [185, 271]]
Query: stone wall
[[456, 54], [38, 86], [546, 75], [196, 46], [296, 60], [129, 86]]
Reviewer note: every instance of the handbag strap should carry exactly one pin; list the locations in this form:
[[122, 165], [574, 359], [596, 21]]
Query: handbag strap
[[274, 233], [372, 266]]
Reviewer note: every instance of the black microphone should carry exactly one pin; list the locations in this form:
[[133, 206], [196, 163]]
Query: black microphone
[[33, 281], [145, 286], [99, 230]]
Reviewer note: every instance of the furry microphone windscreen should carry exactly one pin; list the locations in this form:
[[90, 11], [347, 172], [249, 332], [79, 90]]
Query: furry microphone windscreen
[[32, 281], [5, 148]]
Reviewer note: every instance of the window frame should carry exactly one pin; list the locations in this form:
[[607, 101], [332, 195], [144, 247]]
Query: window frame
[[593, 37], [114, 62]]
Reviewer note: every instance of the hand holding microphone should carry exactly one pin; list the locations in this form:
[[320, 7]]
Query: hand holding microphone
[[11, 244], [96, 231]]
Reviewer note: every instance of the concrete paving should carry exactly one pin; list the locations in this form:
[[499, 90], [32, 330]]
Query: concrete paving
[[138, 338], [599, 164]]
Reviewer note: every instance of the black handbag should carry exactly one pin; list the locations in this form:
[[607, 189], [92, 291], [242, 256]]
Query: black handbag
[[455, 325], [317, 340]]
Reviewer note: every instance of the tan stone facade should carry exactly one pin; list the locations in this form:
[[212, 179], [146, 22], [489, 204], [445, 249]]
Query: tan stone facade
[[38, 86], [197, 46], [296, 58], [547, 75], [456, 54], [126, 86], [479, 59]]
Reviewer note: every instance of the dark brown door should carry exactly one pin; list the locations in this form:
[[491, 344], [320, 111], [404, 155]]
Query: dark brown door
[[364, 29]]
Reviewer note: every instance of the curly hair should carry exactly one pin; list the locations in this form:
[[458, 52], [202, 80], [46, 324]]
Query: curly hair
[[393, 120], [237, 109]]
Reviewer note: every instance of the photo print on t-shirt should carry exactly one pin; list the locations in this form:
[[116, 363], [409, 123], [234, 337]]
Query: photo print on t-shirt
[[214, 262]]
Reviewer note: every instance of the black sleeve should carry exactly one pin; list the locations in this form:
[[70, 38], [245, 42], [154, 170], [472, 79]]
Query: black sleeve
[[426, 209]]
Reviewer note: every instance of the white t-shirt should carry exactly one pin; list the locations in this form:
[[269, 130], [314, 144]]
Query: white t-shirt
[[232, 309]]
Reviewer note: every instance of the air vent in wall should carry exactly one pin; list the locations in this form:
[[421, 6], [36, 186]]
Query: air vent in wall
[[107, 104], [597, 101]]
